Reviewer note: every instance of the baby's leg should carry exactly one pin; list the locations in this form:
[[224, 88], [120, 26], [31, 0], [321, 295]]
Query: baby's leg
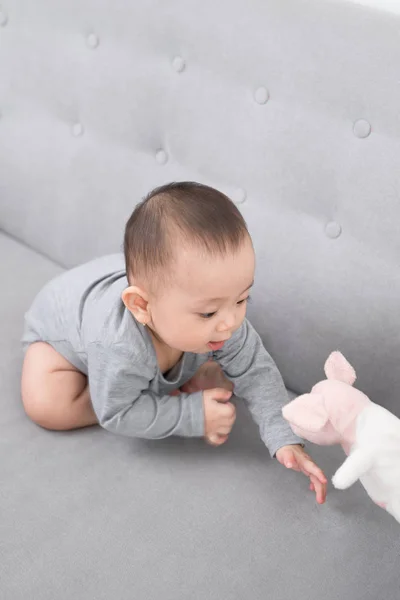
[[55, 394], [210, 375]]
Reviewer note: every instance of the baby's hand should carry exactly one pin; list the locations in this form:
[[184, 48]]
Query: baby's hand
[[294, 457], [219, 415]]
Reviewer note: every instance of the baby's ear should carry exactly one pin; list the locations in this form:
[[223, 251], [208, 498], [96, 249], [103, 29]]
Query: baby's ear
[[338, 368], [307, 412]]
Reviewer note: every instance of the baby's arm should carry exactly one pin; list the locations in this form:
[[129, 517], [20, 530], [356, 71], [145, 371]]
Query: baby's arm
[[257, 380], [118, 383]]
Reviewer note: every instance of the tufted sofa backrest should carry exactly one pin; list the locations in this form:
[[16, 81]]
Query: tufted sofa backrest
[[290, 107]]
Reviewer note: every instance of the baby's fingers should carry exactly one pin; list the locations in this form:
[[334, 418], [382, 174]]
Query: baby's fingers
[[319, 488], [310, 468], [216, 439], [290, 462]]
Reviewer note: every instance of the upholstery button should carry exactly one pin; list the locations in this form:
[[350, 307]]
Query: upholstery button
[[161, 156], [239, 196], [261, 95], [3, 18], [361, 128], [333, 230], [77, 129], [178, 64], [92, 41]]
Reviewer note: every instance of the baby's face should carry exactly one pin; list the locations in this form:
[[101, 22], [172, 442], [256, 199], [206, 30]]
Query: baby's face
[[207, 301]]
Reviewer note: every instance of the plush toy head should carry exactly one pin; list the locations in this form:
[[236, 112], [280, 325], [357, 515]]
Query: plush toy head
[[327, 415], [336, 413]]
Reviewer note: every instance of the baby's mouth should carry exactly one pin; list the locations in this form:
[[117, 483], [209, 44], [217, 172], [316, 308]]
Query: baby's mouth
[[216, 346]]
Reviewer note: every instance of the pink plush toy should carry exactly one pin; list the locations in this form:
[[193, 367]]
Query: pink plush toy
[[336, 413]]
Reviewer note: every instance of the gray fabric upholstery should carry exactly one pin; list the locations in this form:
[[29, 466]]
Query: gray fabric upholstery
[[91, 515], [290, 107]]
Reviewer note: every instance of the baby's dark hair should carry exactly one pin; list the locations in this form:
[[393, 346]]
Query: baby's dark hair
[[185, 213]]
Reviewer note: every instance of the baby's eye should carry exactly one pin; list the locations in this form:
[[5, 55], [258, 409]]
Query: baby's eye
[[207, 315], [244, 300]]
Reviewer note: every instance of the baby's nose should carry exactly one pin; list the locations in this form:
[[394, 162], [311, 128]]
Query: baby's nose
[[227, 323]]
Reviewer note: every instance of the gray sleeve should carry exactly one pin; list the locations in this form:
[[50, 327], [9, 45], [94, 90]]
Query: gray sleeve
[[257, 380], [118, 384]]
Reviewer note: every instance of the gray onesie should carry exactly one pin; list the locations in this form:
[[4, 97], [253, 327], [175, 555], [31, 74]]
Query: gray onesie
[[81, 314]]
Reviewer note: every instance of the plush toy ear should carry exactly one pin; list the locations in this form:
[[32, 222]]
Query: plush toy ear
[[338, 368], [307, 412]]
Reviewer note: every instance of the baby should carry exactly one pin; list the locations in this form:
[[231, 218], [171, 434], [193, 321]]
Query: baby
[[126, 341]]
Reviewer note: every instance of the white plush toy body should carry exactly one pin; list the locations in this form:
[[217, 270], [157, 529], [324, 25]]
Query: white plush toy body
[[337, 413]]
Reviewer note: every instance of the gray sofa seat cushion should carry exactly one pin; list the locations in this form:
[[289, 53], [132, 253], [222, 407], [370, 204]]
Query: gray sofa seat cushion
[[90, 515]]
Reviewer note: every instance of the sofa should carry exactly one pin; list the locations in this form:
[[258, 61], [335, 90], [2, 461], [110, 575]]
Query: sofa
[[292, 109]]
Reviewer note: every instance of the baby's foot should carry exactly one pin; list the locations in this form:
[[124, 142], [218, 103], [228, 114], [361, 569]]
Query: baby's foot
[[210, 375]]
